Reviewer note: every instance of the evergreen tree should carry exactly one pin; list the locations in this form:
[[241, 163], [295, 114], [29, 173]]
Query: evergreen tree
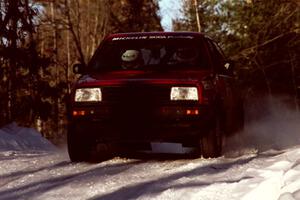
[[20, 62], [261, 36]]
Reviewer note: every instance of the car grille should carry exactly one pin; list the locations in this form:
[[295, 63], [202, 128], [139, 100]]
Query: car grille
[[132, 94]]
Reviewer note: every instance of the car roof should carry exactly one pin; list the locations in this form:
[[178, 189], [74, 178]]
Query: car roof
[[140, 35]]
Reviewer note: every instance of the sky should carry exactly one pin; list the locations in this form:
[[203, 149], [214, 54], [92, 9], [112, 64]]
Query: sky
[[170, 9]]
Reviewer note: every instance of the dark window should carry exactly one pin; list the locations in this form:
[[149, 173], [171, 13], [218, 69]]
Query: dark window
[[216, 56]]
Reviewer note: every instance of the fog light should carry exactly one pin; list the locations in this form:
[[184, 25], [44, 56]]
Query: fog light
[[78, 113], [192, 112]]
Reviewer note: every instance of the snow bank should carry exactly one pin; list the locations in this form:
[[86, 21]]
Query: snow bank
[[16, 138]]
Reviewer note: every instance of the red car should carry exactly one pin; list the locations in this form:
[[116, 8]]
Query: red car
[[144, 89]]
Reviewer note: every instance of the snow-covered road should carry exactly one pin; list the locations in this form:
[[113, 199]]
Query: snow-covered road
[[32, 168], [50, 175]]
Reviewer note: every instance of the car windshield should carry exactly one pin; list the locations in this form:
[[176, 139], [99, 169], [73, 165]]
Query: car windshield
[[128, 53]]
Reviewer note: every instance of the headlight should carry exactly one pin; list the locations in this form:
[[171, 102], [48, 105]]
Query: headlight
[[88, 95], [184, 93]]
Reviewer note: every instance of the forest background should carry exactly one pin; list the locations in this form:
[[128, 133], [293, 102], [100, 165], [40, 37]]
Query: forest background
[[42, 39]]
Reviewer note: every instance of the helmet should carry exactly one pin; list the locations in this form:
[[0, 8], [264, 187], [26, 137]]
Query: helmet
[[131, 59], [130, 55]]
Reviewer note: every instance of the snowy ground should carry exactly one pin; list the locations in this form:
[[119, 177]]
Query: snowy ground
[[32, 168]]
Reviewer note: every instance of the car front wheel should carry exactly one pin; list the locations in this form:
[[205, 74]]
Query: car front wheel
[[212, 142], [78, 148]]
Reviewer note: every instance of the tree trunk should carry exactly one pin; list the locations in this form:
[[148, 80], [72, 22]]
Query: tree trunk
[[13, 6]]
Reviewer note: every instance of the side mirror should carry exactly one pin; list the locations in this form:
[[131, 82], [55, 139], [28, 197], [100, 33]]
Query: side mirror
[[78, 68], [229, 67]]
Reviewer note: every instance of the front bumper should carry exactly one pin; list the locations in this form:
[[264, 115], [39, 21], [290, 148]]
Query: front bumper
[[175, 123]]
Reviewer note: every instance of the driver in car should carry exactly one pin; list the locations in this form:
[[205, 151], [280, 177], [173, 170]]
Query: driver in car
[[185, 55], [131, 59]]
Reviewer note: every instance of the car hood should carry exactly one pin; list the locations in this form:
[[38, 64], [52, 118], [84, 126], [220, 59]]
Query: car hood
[[146, 77]]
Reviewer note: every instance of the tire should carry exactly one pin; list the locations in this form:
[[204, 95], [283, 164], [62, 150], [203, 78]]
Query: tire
[[78, 148], [211, 143]]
